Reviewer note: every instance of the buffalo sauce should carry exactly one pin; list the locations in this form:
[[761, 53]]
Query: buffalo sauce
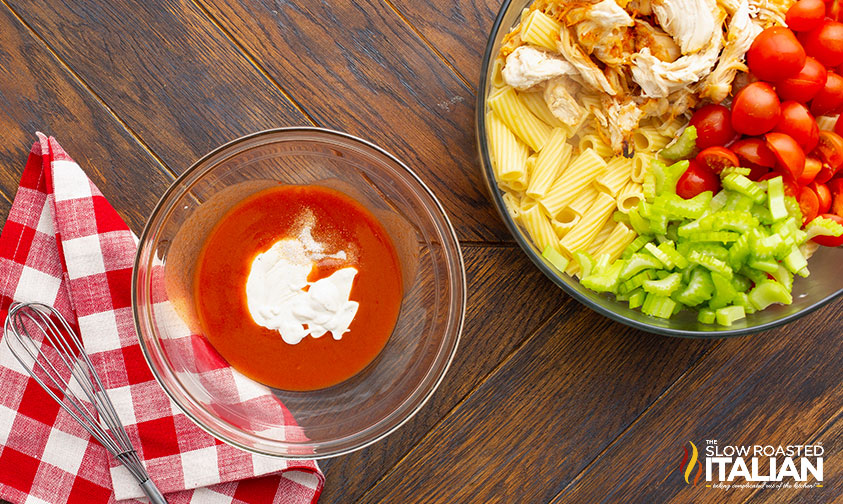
[[351, 237]]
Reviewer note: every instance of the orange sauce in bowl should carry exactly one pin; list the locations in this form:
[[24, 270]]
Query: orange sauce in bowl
[[251, 228]]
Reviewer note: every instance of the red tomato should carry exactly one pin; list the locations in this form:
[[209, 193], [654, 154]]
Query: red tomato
[[830, 98], [790, 187], [838, 126], [836, 188], [775, 54], [714, 126], [804, 85], [753, 152], [805, 15], [823, 196], [696, 179], [830, 241], [829, 150], [716, 158], [809, 204], [756, 109], [790, 156], [825, 42], [797, 122], [812, 167]]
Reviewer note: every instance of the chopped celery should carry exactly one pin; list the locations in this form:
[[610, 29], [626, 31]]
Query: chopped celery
[[775, 198], [766, 293], [726, 316], [585, 262], [795, 261], [735, 169], [682, 147], [823, 226], [677, 259], [664, 287], [553, 256], [619, 216], [637, 280], [700, 288], [706, 316], [714, 236], [639, 262], [606, 280], [639, 223], [636, 298], [724, 292], [711, 263], [743, 185], [658, 254], [636, 245], [741, 283], [765, 265], [784, 277], [667, 176], [658, 306]]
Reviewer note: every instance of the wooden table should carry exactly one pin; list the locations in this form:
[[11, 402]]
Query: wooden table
[[547, 402]]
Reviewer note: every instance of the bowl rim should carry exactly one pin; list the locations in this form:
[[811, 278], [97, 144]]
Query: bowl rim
[[526, 246], [459, 301]]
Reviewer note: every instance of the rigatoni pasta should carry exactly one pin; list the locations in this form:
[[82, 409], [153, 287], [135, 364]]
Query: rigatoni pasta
[[514, 113], [549, 162]]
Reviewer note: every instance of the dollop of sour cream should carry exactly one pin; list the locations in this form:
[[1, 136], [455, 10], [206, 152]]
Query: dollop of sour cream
[[280, 298]]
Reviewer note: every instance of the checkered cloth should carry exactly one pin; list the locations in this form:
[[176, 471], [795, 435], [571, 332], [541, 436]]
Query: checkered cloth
[[64, 245]]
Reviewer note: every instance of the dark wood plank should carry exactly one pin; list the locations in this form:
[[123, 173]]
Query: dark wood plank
[[457, 29], [358, 67], [165, 70], [497, 322], [536, 422], [38, 94], [778, 387]]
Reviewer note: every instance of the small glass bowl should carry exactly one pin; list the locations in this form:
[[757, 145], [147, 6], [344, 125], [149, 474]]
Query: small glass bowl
[[346, 416], [823, 285]]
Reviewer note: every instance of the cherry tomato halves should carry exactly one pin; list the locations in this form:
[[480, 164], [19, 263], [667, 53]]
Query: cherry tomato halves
[[825, 42], [830, 241], [697, 178], [829, 150], [809, 204], [790, 156], [823, 196], [804, 85], [756, 109], [714, 126], [775, 54], [830, 98], [716, 158], [791, 188], [797, 122], [810, 171], [753, 152]]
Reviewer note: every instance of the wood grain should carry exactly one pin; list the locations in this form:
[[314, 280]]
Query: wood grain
[[165, 70], [37, 94], [356, 66], [497, 323], [457, 29], [777, 387], [536, 422]]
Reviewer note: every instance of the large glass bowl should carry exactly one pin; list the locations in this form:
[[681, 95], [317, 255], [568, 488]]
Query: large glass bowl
[[823, 285], [341, 418]]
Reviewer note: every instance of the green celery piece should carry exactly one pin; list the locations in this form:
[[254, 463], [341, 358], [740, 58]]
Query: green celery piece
[[710, 263], [793, 208], [636, 298], [766, 293], [636, 245], [699, 289], [639, 224], [676, 207], [762, 213], [753, 274], [661, 256], [765, 265], [743, 185], [795, 262], [675, 257], [739, 252], [823, 226], [784, 277], [739, 202], [682, 147], [741, 283], [618, 216], [775, 198], [639, 262], [719, 201], [637, 280], [553, 256], [724, 293], [665, 286], [733, 220], [742, 299], [585, 262], [692, 227], [667, 176], [607, 281], [735, 169], [714, 236], [727, 315], [658, 223], [601, 264], [706, 316], [658, 306]]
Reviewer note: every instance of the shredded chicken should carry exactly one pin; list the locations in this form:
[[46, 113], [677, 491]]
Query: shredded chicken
[[562, 104], [691, 23], [742, 31], [602, 30], [660, 43], [528, 66], [588, 70]]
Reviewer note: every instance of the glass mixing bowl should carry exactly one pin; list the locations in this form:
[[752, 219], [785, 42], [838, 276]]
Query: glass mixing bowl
[[334, 420], [823, 285]]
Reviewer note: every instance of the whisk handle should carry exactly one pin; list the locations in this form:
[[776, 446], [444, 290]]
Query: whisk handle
[[151, 491]]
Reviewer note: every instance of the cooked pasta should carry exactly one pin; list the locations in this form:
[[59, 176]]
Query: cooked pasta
[[630, 196], [595, 143], [555, 154], [513, 206], [539, 228], [617, 174], [562, 228], [579, 173], [601, 237], [540, 29], [510, 107], [509, 154], [580, 205], [584, 232], [671, 127], [649, 139], [535, 102], [640, 164], [497, 74], [616, 242]]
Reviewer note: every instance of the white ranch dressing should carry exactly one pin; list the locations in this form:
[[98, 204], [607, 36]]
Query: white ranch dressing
[[276, 295]]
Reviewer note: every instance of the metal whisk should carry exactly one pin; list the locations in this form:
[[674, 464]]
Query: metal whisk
[[71, 364]]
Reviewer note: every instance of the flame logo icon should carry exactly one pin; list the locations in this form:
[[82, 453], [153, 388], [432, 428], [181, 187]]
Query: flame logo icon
[[687, 466]]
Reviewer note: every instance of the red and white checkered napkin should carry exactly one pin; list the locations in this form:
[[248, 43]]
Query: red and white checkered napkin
[[64, 245]]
